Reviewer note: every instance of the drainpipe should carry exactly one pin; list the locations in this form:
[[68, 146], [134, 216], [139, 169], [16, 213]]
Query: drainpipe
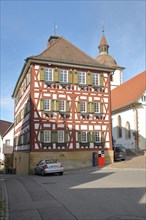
[[136, 136]]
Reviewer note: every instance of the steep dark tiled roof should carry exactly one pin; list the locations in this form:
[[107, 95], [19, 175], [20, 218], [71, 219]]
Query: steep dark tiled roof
[[4, 126], [129, 92], [64, 51]]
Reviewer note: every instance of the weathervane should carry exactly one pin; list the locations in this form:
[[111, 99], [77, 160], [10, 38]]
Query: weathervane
[[102, 27]]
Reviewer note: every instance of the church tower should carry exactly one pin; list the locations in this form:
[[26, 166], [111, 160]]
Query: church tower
[[106, 59]]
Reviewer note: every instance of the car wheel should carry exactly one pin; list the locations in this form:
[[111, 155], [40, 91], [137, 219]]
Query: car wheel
[[60, 173], [42, 173]]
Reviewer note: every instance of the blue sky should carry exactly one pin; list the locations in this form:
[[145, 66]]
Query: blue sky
[[27, 25]]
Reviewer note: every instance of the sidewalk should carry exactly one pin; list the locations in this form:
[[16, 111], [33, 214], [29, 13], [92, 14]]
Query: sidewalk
[[135, 162], [3, 200]]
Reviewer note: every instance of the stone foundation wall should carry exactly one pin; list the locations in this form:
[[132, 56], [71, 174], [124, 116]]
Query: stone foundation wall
[[26, 162]]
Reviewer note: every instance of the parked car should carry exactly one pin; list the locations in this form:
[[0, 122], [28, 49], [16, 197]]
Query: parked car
[[49, 166], [119, 152]]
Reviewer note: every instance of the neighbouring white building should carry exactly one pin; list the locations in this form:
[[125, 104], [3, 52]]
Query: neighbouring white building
[[129, 113], [6, 142]]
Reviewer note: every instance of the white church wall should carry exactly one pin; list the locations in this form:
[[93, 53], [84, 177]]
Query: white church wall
[[126, 116], [142, 122]]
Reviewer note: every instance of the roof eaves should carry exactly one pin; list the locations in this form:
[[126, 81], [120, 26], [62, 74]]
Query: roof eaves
[[66, 63]]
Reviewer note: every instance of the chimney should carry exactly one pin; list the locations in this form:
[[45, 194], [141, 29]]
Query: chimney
[[52, 40]]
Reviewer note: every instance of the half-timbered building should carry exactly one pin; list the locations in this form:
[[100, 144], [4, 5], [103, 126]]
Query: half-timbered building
[[62, 108]]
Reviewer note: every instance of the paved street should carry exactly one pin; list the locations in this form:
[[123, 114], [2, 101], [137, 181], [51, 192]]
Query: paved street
[[109, 193]]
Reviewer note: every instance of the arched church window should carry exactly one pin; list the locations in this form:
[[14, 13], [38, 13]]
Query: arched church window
[[119, 127], [127, 130]]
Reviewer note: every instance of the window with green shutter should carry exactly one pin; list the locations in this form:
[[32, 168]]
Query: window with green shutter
[[97, 136], [63, 76], [97, 107], [60, 136], [95, 79], [48, 75], [47, 105]]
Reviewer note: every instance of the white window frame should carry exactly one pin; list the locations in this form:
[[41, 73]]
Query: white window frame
[[7, 141], [97, 108], [62, 105], [84, 137], [82, 77], [95, 79], [97, 137], [47, 136], [60, 136], [48, 74], [83, 106], [63, 76], [47, 105]]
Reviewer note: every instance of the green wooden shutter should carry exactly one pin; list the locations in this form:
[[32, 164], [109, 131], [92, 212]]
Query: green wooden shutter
[[90, 137], [56, 75], [79, 136], [78, 107], [101, 79], [102, 137], [52, 105], [42, 136], [89, 78], [67, 106], [66, 136], [70, 73], [57, 105], [54, 136], [93, 136], [101, 107], [41, 104], [42, 73], [90, 107], [75, 76]]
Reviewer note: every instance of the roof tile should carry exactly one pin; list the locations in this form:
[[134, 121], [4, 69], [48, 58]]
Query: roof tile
[[129, 92]]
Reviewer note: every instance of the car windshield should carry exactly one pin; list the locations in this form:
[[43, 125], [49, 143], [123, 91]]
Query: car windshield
[[52, 161], [119, 149]]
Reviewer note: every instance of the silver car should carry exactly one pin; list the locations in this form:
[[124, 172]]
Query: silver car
[[49, 166]]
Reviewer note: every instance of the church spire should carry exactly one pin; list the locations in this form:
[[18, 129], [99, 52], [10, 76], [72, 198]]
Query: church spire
[[103, 46]]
